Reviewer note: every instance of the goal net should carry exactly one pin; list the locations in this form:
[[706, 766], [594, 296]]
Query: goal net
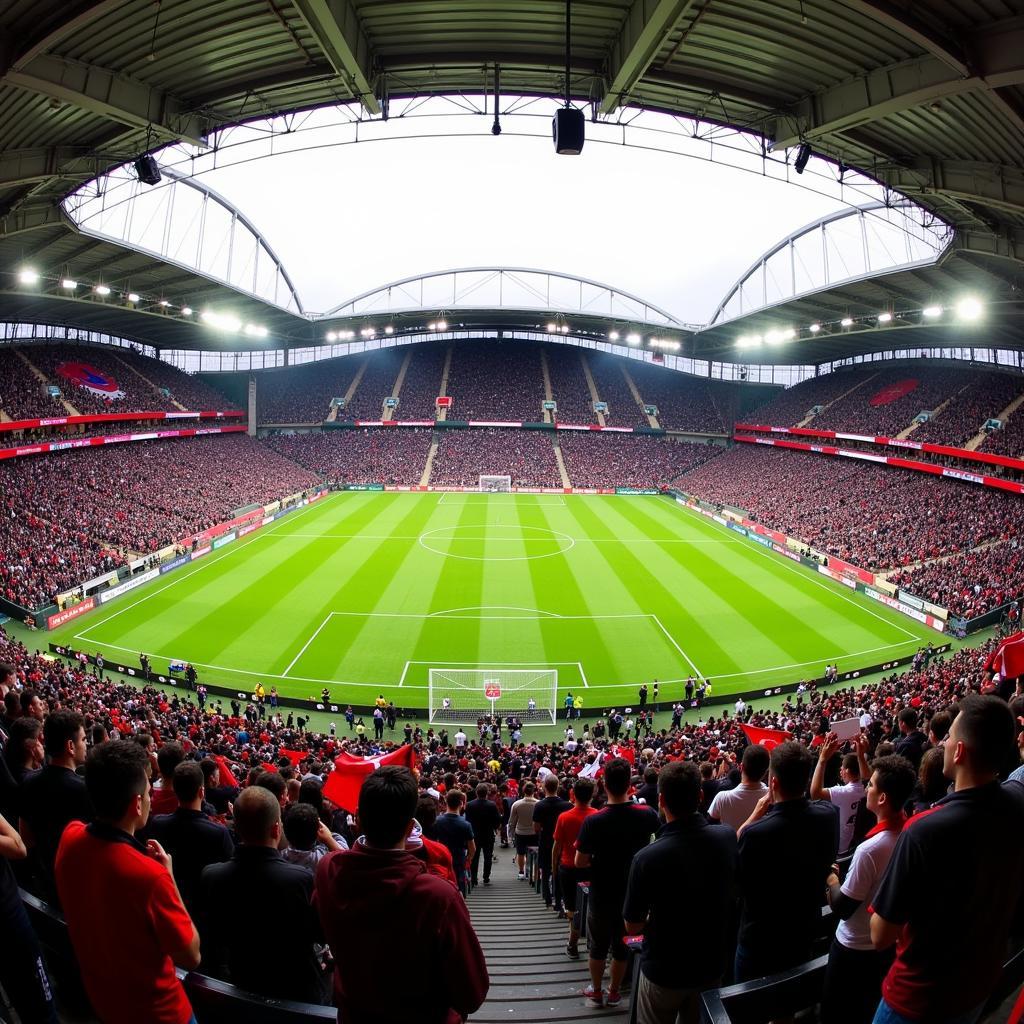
[[462, 695], [494, 484]]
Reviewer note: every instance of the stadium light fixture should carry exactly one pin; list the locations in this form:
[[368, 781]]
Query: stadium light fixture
[[552, 328], [633, 339], [565, 328], [68, 284], [613, 335], [222, 321], [28, 276], [133, 296], [442, 325], [331, 336], [389, 329], [846, 321], [101, 289], [931, 312], [814, 328], [884, 318], [164, 303], [186, 310], [255, 330], [969, 308], [772, 337]]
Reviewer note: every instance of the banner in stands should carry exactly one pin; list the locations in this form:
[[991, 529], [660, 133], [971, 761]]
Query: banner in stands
[[199, 552], [90, 442], [362, 487], [249, 528], [914, 613], [920, 467], [225, 538], [891, 442], [637, 490], [87, 377], [123, 588], [175, 563], [70, 613], [837, 576], [114, 417], [741, 530]]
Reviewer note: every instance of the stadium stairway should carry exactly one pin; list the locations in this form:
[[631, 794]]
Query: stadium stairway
[[532, 979]]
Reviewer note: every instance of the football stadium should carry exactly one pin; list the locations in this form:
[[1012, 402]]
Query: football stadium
[[511, 511]]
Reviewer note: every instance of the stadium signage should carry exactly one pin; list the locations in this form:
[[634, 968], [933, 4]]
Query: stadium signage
[[249, 528], [113, 417], [837, 576], [780, 550], [959, 474], [736, 526], [176, 563], [914, 602], [88, 442], [758, 539], [199, 552], [920, 616], [226, 538], [123, 588], [68, 614], [362, 487], [637, 490]]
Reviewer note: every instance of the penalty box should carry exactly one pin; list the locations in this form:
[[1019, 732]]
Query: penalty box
[[400, 648]]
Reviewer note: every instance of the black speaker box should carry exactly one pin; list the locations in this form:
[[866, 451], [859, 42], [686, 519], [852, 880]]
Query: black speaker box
[[568, 129], [148, 170]]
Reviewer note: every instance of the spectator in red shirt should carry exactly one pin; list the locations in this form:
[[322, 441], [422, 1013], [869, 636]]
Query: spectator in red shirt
[[563, 855], [163, 799], [430, 942], [127, 922]]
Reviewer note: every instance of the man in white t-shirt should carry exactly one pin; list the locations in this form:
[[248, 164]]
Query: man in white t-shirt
[[853, 980], [732, 807], [460, 739], [849, 795]]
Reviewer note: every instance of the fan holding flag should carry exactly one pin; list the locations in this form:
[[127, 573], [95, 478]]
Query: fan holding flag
[[350, 772]]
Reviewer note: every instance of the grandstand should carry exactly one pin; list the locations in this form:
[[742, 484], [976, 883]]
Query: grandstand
[[731, 558]]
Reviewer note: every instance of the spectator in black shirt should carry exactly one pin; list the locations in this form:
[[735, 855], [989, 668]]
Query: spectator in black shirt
[[648, 792], [950, 950], [218, 796], [483, 814], [545, 817], [607, 844], [786, 851], [258, 893], [53, 796], [188, 835], [673, 968], [912, 742]]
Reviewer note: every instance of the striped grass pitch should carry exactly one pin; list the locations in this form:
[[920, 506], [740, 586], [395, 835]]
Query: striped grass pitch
[[365, 592]]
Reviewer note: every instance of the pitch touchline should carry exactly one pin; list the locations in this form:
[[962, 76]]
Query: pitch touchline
[[492, 538]]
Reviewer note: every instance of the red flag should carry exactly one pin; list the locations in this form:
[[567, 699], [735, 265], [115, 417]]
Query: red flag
[[767, 738], [626, 753], [344, 783], [1008, 658], [227, 776], [295, 756]]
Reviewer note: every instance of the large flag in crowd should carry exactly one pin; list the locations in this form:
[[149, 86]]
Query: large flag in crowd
[[767, 738], [1008, 658], [344, 783]]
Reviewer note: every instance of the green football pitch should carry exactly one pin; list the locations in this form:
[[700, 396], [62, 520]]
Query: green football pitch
[[364, 593]]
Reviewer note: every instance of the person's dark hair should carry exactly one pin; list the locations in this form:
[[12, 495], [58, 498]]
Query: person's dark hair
[[209, 768], [679, 786], [755, 761], [255, 812], [273, 782], [885, 748], [12, 706], [933, 783], [583, 790], [115, 773], [985, 727], [852, 765], [311, 791], [6, 669], [26, 698], [791, 765], [426, 811], [528, 789], [168, 757], [650, 775], [98, 734], [453, 798], [895, 778], [22, 731], [618, 773], [939, 725], [301, 825], [481, 791], [59, 729], [387, 803], [187, 780], [908, 717]]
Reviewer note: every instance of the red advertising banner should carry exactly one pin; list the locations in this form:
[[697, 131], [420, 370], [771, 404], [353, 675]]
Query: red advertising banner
[[44, 447], [117, 417], [59, 618]]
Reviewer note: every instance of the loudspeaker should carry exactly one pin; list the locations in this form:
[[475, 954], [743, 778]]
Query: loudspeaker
[[568, 131], [148, 170]]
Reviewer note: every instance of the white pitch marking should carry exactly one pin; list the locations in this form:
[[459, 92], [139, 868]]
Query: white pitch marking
[[583, 675], [291, 664], [672, 641]]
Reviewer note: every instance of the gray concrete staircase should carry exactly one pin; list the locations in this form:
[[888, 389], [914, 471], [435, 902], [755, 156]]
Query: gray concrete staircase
[[532, 979]]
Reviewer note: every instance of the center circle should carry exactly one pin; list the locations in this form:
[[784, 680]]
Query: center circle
[[470, 542]]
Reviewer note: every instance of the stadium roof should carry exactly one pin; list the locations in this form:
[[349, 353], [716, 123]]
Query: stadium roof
[[927, 97]]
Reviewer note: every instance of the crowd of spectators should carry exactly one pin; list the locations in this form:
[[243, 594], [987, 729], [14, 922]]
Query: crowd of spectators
[[612, 388], [189, 390], [972, 583], [793, 405], [629, 460], [984, 397], [683, 402], [376, 384], [463, 456], [569, 384], [928, 388], [238, 806], [397, 455], [302, 394], [138, 497], [496, 380], [421, 385], [1009, 440], [22, 394], [874, 516]]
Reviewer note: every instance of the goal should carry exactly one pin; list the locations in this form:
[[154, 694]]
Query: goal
[[462, 695], [494, 484]]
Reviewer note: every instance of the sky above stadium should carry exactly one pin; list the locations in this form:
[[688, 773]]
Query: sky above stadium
[[675, 231]]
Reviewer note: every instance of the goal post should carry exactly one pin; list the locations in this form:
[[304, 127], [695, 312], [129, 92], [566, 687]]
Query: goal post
[[462, 695], [495, 484]]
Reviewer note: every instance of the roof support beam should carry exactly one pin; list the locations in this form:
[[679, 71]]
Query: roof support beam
[[1006, 245], [991, 185], [29, 166], [335, 26], [117, 97], [648, 24], [998, 61], [31, 218]]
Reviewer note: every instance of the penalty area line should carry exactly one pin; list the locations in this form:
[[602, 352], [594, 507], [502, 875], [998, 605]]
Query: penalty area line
[[673, 642], [291, 664]]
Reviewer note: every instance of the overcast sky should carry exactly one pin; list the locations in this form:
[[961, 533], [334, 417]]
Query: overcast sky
[[675, 231]]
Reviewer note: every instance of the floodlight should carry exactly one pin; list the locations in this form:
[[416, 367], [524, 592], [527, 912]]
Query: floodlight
[[969, 308], [884, 318], [101, 289], [69, 284], [331, 336], [613, 335], [931, 312], [552, 328], [846, 321], [814, 328], [565, 328], [186, 310], [164, 303], [389, 329], [133, 296], [28, 276], [633, 339], [442, 325]]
